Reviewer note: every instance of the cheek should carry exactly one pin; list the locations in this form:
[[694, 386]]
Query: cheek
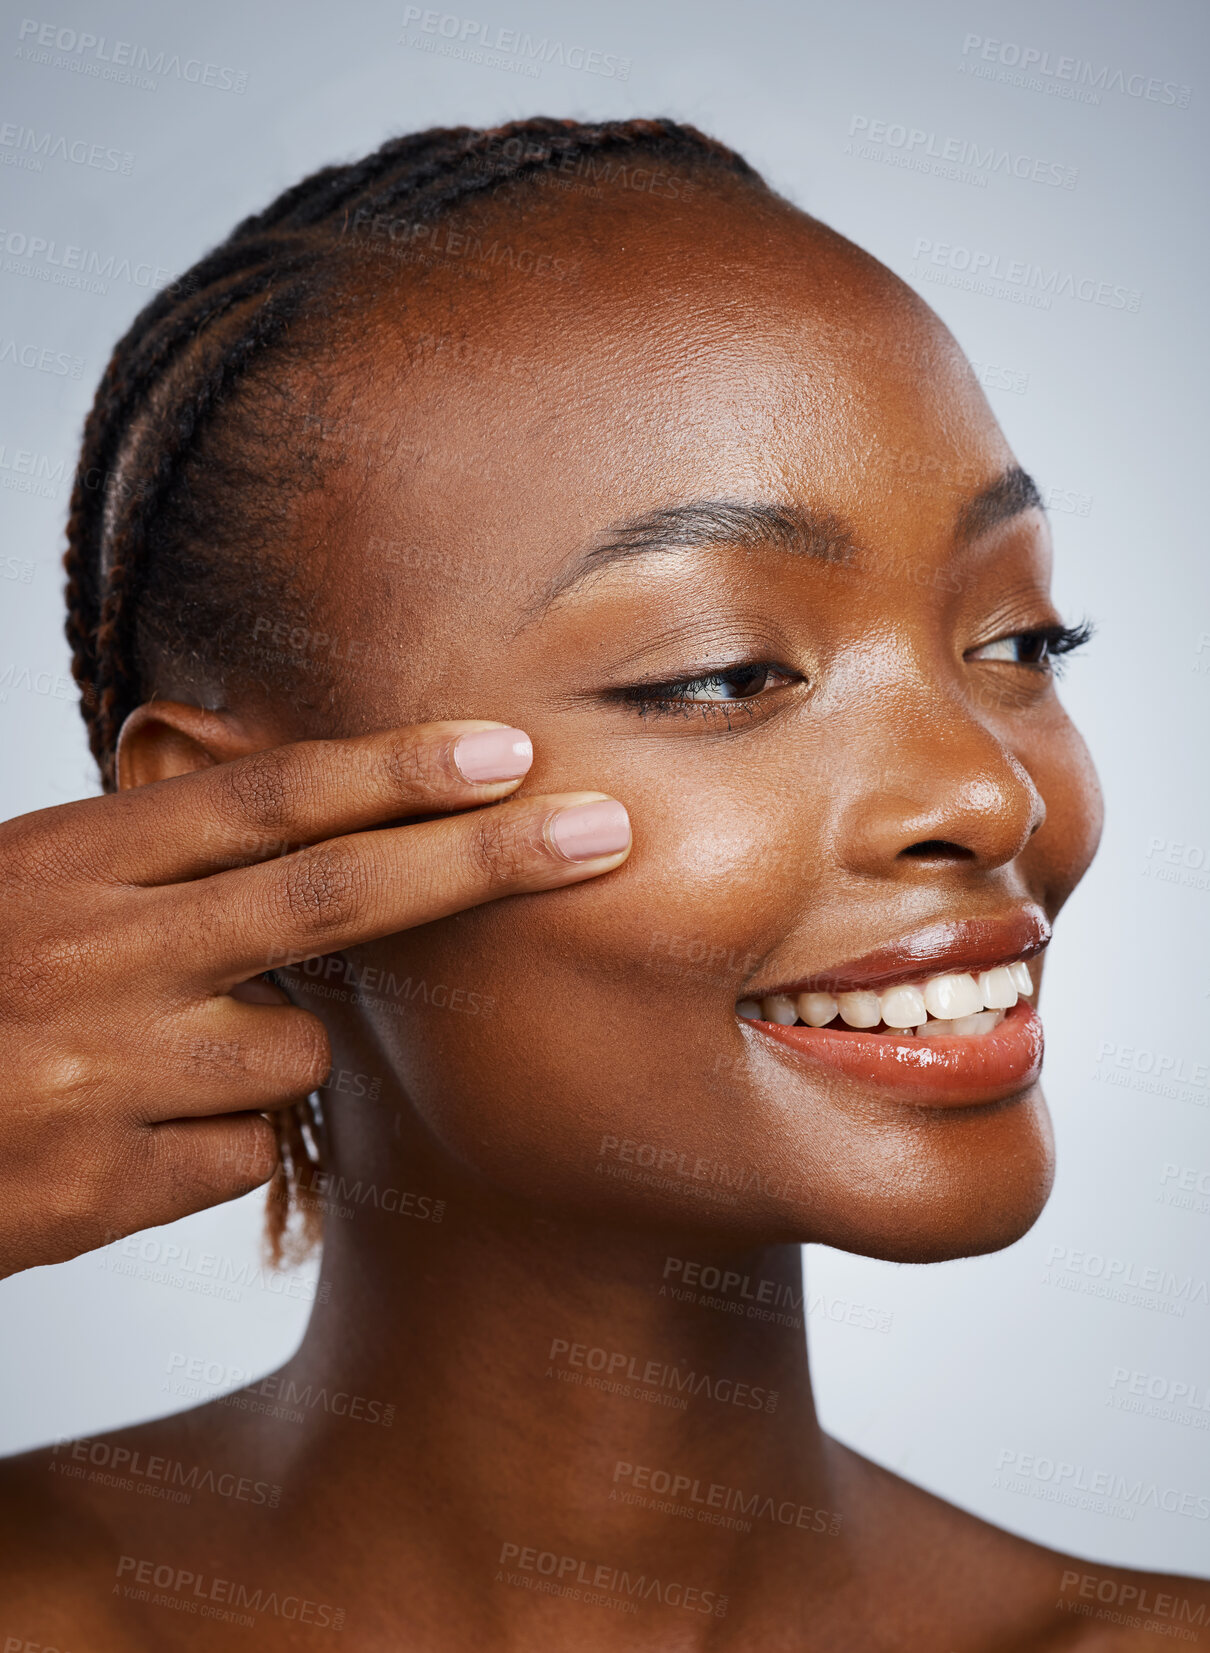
[[606, 1008], [717, 873]]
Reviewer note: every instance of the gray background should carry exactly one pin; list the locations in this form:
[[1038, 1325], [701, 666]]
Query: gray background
[[992, 1381]]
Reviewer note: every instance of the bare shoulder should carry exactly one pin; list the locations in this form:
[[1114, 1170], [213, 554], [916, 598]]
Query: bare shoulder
[[1119, 1608], [52, 1550], [993, 1589], [80, 1518]]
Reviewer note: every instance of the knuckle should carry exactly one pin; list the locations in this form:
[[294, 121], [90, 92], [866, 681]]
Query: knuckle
[[38, 850], [79, 1205], [67, 1210], [42, 969], [246, 1156], [260, 791], [321, 888], [62, 1082], [413, 763], [310, 1051], [212, 1060], [507, 845], [194, 1168]]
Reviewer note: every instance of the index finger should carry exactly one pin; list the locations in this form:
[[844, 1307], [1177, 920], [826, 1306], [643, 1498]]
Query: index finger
[[274, 801]]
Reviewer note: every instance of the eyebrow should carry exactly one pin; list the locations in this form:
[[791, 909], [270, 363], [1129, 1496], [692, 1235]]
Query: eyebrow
[[1008, 496], [800, 530]]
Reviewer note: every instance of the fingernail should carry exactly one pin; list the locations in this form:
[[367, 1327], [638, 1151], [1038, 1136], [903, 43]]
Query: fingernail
[[587, 830], [493, 754]]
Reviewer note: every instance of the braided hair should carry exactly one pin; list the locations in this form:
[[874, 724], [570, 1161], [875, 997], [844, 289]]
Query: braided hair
[[193, 456]]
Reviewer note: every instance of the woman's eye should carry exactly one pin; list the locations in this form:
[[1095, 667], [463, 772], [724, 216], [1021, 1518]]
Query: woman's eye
[[1027, 648], [717, 689], [741, 683], [1040, 648]]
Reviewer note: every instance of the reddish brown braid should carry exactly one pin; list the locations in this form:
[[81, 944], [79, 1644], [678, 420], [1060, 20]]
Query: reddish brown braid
[[161, 492]]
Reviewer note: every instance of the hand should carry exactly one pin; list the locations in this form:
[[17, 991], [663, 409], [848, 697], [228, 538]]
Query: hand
[[132, 1078]]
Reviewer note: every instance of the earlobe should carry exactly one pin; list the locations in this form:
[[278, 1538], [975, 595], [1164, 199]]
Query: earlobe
[[163, 738]]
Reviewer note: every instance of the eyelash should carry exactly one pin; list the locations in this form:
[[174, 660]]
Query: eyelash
[[1055, 641], [670, 698]]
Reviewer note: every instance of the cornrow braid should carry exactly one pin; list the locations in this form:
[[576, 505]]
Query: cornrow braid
[[175, 449]]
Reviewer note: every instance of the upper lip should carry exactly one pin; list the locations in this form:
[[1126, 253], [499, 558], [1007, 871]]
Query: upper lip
[[942, 948]]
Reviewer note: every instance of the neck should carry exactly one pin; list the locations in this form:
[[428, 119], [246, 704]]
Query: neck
[[565, 1395]]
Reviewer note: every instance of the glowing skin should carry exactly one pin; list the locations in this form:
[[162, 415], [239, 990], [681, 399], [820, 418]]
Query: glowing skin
[[902, 774]]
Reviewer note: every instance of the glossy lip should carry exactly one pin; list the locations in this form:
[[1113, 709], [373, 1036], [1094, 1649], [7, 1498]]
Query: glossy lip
[[951, 1071], [963, 944]]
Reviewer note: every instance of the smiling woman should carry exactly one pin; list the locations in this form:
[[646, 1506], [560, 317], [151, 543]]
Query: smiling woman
[[386, 545]]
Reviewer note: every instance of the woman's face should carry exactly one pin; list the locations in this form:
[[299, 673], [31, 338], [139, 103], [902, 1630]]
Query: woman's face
[[897, 798]]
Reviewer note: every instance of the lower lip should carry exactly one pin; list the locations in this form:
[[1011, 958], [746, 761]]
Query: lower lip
[[954, 1072]]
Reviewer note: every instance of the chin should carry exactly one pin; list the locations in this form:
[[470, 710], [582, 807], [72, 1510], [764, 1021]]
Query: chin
[[976, 1180]]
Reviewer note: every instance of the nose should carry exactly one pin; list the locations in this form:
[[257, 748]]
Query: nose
[[945, 792]]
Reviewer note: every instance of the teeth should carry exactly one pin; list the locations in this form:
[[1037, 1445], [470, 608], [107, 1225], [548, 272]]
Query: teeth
[[1022, 980], [982, 1023], [952, 1004], [859, 1009], [817, 1009], [779, 1007], [948, 997], [903, 1007], [997, 988]]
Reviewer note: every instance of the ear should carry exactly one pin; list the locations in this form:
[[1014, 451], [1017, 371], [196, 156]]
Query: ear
[[162, 738]]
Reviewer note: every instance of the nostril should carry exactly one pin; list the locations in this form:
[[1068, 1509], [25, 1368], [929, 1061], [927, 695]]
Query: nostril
[[937, 849]]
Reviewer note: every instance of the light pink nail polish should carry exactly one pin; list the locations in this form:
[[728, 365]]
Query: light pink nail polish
[[585, 831], [493, 754]]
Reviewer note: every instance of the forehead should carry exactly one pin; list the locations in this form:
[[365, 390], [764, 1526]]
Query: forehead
[[542, 368]]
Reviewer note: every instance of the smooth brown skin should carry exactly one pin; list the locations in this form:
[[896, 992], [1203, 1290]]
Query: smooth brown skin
[[784, 365]]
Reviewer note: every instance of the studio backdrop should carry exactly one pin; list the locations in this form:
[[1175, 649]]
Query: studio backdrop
[[1036, 171]]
